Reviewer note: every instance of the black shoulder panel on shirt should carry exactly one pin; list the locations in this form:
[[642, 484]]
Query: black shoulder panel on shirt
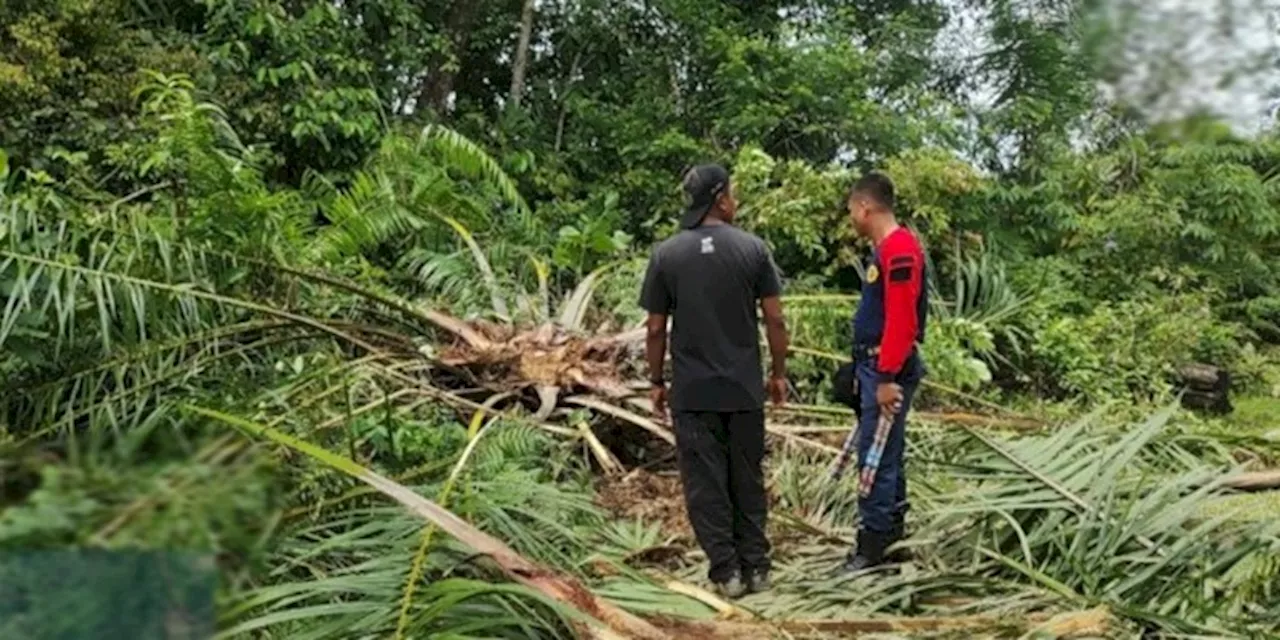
[[900, 274]]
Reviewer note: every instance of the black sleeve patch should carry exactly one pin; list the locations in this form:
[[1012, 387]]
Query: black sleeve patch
[[900, 274]]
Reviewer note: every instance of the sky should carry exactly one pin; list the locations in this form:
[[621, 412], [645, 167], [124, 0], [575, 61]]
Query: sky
[[1205, 40]]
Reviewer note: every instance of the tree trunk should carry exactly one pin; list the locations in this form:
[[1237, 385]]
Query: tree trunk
[[564, 97], [441, 71], [1205, 387], [1204, 377], [522, 53]]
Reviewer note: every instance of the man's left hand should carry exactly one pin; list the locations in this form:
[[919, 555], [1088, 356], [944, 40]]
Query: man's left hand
[[658, 396], [889, 396], [778, 390]]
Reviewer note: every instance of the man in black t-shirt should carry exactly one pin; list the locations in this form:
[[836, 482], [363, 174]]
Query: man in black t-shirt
[[708, 279]]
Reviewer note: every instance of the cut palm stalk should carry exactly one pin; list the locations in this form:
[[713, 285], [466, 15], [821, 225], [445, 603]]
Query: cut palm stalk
[[1253, 480], [564, 589], [623, 414], [725, 609], [608, 463]]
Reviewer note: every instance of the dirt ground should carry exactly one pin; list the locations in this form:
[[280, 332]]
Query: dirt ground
[[656, 496], [651, 496]]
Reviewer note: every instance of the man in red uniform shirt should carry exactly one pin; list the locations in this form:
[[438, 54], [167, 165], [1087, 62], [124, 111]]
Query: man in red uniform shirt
[[888, 325]]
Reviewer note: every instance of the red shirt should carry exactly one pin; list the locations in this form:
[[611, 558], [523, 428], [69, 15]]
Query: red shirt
[[891, 312]]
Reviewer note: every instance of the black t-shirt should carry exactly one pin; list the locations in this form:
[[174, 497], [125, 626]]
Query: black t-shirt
[[709, 280]]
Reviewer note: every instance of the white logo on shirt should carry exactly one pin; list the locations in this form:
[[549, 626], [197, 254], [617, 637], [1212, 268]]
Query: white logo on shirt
[[708, 245]]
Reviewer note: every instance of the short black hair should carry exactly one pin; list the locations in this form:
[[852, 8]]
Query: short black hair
[[878, 187]]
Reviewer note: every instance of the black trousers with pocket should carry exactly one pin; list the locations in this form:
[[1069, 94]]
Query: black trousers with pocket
[[720, 456]]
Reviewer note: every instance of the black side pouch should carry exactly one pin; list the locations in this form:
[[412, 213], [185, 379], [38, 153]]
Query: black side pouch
[[844, 388]]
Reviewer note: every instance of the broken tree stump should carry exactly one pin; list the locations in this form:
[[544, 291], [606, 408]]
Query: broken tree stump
[[1205, 388]]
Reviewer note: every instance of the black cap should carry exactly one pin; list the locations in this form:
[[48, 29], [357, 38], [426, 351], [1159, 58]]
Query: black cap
[[703, 185]]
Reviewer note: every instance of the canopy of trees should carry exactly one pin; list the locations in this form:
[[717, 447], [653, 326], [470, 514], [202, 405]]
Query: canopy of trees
[[245, 244]]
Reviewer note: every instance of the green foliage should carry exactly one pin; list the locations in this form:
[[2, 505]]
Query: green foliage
[[1127, 349], [178, 178], [219, 195], [936, 190], [1096, 513], [400, 444], [796, 208], [955, 353], [1147, 218], [592, 238], [67, 72], [300, 78], [53, 514]]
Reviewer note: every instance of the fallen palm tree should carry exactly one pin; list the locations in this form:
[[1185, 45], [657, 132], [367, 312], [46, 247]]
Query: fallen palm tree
[[557, 357], [1092, 623], [1028, 513], [552, 363], [605, 621], [553, 356], [565, 590]]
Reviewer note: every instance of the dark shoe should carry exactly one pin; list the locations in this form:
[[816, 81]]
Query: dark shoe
[[896, 535], [758, 581], [731, 588], [899, 530], [869, 552]]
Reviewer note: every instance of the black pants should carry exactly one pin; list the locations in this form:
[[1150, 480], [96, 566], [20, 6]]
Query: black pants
[[720, 467]]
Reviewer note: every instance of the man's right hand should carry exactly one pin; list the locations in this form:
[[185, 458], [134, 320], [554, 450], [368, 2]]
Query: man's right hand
[[658, 396], [889, 397]]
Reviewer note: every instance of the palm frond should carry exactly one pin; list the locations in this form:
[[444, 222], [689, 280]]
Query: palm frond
[[466, 155], [574, 309], [482, 263], [515, 566], [1092, 514]]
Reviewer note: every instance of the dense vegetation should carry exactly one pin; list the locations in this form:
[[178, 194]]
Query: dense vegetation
[[266, 264]]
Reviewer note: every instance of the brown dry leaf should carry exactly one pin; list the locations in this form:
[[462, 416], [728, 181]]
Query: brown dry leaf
[[602, 568]]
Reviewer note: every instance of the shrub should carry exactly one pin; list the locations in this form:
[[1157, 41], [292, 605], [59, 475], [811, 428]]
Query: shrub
[[1128, 349]]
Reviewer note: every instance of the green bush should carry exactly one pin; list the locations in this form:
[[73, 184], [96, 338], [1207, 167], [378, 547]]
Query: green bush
[[1128, 349], [955, 352]]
